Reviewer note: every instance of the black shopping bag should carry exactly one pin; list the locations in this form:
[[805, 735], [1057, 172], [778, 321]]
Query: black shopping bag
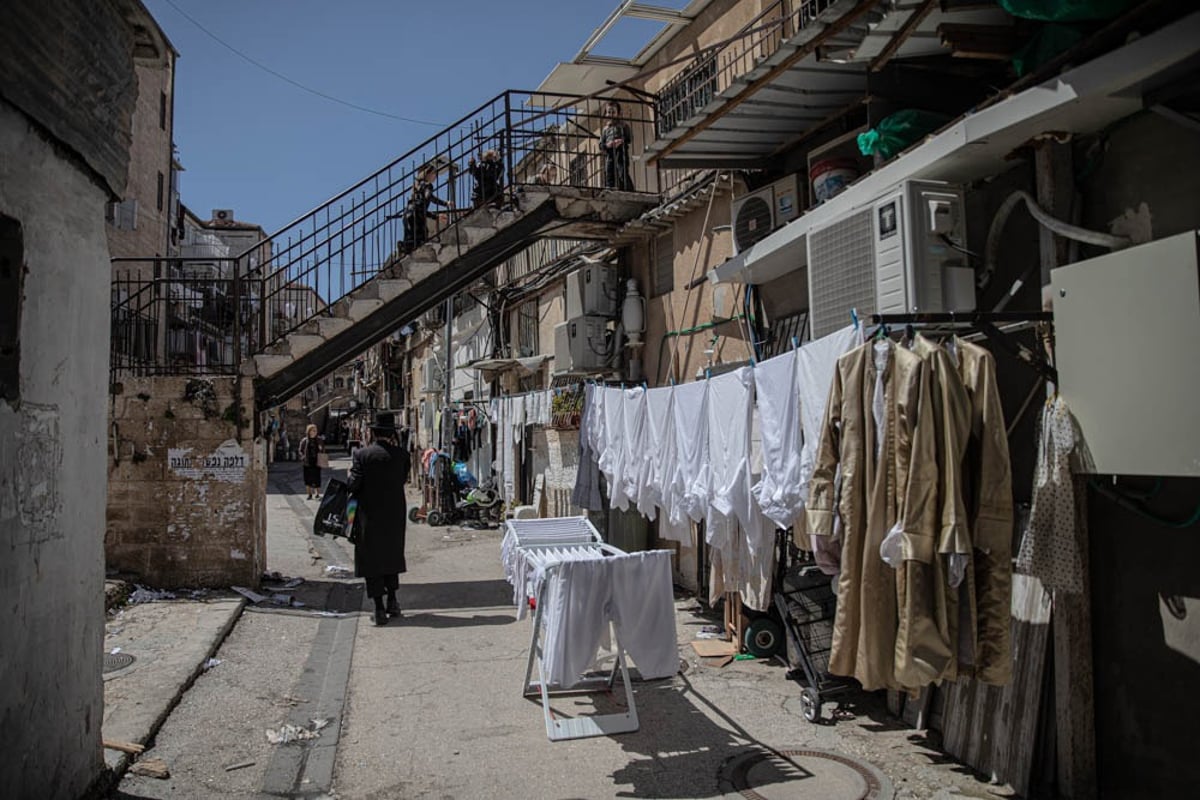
[[331, 513]]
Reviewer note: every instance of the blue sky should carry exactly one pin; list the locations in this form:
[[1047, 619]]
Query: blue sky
[[253, 142]]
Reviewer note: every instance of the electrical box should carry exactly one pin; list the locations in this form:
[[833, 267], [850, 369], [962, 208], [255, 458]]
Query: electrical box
[[588, 341], [901, 254], [593, 290], [1125, 327]]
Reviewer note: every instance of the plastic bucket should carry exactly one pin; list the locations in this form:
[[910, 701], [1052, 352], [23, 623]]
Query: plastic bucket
[[831, 176]]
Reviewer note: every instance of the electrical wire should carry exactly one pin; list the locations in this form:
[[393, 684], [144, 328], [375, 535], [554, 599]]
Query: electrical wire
[[297, 84], [1129, 503]]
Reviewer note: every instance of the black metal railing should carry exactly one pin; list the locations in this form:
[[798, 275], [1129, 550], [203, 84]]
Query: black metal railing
[[535, 138], [713, 71]]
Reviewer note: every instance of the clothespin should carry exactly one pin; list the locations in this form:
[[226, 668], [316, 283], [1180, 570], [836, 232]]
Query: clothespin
[[795, 342], [645, 387], [854, 317], [707, 373]]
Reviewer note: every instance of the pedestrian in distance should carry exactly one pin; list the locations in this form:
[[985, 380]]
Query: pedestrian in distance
[[378, 473], [283, 451], [416, 215], [615, 138], [311, 450], [488, 175]]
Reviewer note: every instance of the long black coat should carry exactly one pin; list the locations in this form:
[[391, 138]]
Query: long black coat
[[377, 477]]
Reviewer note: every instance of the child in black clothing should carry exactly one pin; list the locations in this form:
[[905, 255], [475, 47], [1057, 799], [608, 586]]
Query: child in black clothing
[[489, 179]]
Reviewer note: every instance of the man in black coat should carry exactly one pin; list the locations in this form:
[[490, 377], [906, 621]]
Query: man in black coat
[[377, 476]]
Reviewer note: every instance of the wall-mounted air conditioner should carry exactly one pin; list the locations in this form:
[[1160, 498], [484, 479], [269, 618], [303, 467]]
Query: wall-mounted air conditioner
[[756, 214], [581, 344], [432, 376], [223, 214], [592, 290], [902, 253]]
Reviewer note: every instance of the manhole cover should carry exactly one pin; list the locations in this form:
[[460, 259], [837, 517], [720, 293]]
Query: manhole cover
[[782, 774], [116, 661]]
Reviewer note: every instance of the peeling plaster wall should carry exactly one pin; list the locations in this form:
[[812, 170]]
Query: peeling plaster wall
[[52, 474], [187, 487]]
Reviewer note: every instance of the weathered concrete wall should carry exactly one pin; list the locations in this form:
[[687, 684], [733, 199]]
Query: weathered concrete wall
[[68, 66], [149, 158], [52, 470], [187, 486]]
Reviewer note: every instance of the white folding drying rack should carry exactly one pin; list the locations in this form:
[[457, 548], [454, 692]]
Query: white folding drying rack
[[543, 545]]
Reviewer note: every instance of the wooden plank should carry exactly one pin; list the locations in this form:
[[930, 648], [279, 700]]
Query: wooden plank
[[993, 729], [713, 648], [124, 747], [151, 768]]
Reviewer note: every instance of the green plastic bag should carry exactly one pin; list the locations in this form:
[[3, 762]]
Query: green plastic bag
[[898, 131], [1066, 10], [1045, 45]]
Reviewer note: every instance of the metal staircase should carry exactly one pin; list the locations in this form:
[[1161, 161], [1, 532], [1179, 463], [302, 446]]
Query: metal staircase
[[339, 279]]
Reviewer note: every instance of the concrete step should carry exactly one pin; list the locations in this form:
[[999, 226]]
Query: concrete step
[[361, 309], [388, 290], [328, 327], [299, 343], [270, 364]]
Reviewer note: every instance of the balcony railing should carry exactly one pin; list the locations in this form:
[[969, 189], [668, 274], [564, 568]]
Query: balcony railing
[[713, 71]]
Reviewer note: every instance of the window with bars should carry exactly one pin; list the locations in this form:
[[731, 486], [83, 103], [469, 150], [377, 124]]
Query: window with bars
[[664, 264], [527, 329], [687, 95]]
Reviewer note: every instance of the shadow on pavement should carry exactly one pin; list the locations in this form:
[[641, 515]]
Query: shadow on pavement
[[424, 620]]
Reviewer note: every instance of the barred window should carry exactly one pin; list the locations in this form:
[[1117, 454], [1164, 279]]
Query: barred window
[[664, 264]]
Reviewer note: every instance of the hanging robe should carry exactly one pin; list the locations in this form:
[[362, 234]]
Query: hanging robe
[[887, 476]]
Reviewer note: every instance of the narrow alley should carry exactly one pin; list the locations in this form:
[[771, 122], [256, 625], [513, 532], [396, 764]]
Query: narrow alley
[[430, 705]]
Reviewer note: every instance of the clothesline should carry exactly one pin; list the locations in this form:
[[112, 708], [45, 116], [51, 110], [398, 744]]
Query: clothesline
[[686, 454]]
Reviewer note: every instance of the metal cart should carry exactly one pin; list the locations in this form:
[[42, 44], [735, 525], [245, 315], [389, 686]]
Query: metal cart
[[806, 604]]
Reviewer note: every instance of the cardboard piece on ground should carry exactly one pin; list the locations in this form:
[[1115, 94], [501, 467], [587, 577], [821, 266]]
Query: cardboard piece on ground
[[709, 648], [151, 768], [719, 662], [124, 747]]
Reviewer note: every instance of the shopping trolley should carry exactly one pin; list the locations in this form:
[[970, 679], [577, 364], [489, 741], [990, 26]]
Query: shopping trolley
[[806, 603]]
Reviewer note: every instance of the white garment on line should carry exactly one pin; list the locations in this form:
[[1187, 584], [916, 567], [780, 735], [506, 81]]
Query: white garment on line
[[633, 592], [815, 367], [730, 404], [612, 457], [779, 492], [659, 435], [629, 485], [691, 474]]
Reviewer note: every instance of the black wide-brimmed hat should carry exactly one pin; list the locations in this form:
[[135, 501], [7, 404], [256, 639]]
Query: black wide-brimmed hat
[[385, 422]]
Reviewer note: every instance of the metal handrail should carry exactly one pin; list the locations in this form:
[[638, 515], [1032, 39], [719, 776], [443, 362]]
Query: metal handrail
[[364, 231]]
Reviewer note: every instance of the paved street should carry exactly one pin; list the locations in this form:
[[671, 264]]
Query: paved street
[[430, 706]]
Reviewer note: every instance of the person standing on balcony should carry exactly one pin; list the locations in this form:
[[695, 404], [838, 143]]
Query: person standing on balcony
[[489, 179], [311, 450], [614, 142], [378, 473], [416, 216]]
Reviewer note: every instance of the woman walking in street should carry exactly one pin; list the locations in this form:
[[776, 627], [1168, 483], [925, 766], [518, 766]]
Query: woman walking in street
[[311, 449], [377, 477]]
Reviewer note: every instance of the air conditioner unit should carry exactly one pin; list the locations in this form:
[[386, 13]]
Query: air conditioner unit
[[902, 253], [757, 214], [592, 290], [431, 376], [562, 349], [223, 214], [581, 345]]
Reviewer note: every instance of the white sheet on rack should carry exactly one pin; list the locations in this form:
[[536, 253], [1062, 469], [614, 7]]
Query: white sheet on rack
[[583, 595], [778, 493]]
